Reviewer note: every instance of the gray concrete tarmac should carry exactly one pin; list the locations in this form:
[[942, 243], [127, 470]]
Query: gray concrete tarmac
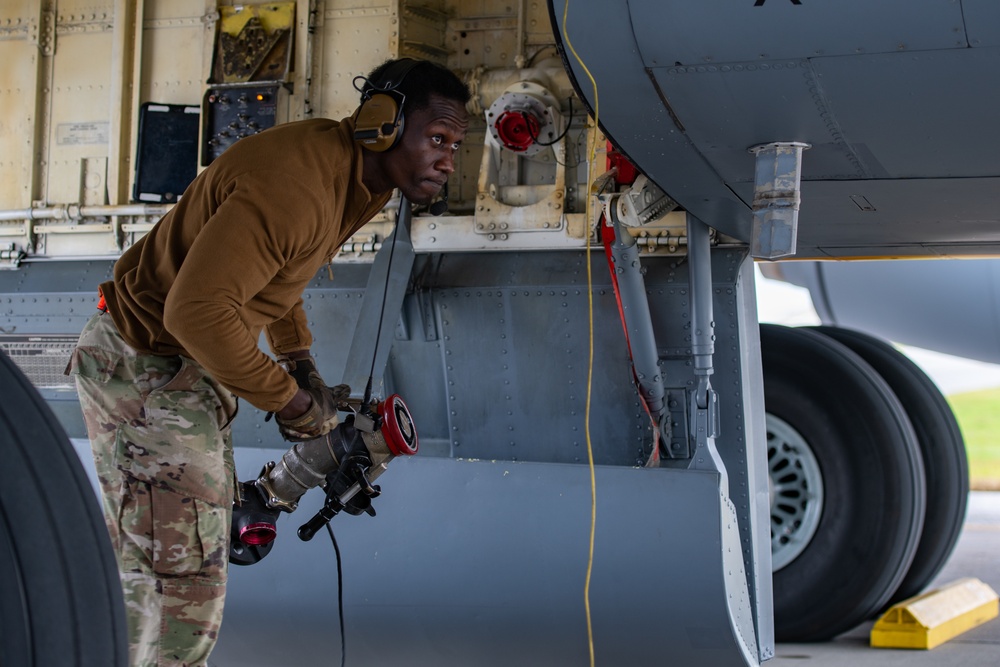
[[977, 554]]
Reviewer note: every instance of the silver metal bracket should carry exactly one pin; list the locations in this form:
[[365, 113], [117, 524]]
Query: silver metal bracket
[[776, 198], [11, 256], [363, 423], [641, 204]]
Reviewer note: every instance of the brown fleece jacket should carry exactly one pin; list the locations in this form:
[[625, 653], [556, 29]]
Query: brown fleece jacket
[[233, 257]]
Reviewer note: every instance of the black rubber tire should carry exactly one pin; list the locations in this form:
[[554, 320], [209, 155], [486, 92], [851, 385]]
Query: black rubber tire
[[873, 483], [61, 596], [942, 448]]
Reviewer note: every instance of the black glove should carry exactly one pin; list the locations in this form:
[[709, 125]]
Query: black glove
[[303, 370]]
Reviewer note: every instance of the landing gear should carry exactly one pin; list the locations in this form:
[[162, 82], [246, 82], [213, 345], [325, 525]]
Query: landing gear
[[61, 600], [846, 427], [796, 489], [946, 469], [869, 478]]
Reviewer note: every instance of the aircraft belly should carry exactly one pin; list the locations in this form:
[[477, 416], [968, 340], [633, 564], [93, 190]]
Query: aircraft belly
[[930, 217], [677, 30], [922, 114], [898, 106]]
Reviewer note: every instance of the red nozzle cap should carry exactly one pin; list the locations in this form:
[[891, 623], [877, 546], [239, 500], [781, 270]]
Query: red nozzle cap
[[517, 130], [398, 430], [258, 534]]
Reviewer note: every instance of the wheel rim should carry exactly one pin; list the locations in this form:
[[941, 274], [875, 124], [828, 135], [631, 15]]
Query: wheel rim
[[796, 487]]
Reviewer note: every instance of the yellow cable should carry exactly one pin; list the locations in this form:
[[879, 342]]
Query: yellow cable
[[590, 358]]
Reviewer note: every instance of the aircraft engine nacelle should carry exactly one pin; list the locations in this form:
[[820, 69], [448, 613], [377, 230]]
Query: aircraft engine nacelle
[[948, 306]]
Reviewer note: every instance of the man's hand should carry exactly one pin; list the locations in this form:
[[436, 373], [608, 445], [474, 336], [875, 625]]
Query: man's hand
[[318, 419], [312, 412]]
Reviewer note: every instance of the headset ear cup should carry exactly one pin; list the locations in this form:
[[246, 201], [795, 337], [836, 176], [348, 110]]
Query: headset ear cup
[[379, 123]]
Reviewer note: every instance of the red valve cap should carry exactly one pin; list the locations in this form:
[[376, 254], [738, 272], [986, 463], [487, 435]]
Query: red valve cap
[[517, 130], [398, 430], [258, 534]]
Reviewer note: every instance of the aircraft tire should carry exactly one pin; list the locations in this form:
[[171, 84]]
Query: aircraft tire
[[873, 498], [942, 447], [61, 601]]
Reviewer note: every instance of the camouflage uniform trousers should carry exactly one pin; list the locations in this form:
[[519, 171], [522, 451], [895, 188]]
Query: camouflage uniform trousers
[[159, 430]]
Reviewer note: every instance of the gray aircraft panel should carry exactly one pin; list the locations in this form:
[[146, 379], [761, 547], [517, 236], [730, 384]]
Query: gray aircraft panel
[[916, 110], [922, 115], [680, 31], [497, 585], [956, 215], [714, 102], [865, 116], [982, 22], [522, 349]]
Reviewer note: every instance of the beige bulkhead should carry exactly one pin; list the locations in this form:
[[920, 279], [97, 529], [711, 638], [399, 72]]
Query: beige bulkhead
[[78, 72]]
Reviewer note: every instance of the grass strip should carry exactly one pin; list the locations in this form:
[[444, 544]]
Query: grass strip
[[978, 415]]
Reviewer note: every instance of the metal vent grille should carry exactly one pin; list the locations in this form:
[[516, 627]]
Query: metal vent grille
[[42, 358]]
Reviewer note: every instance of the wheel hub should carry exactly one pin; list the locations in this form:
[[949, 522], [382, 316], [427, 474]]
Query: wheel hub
[[795, 482]]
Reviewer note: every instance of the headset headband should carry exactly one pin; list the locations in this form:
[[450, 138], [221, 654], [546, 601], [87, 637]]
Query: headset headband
[[392, 77]]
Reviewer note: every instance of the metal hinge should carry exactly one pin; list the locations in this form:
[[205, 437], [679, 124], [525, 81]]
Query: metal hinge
[[11, 256]]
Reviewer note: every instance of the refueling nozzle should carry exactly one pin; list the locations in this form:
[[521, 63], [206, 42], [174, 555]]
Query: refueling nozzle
[[344, 462]]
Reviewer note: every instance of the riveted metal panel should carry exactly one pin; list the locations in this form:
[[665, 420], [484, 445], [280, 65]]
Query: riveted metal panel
[[174, 66], [514, 324], [44, 300], [483, 35], [416, 370], [20, 53], [921, 115], [354, 40], [668, 32], [516, 370], [712, 102], [736, 355], [44, 284], [910, 114], [869, 116], [81, 97]]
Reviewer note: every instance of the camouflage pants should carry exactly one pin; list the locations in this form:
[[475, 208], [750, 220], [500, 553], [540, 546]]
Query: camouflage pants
[[159, 430]]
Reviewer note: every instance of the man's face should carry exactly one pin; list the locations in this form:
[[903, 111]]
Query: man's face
[[420, 165]]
